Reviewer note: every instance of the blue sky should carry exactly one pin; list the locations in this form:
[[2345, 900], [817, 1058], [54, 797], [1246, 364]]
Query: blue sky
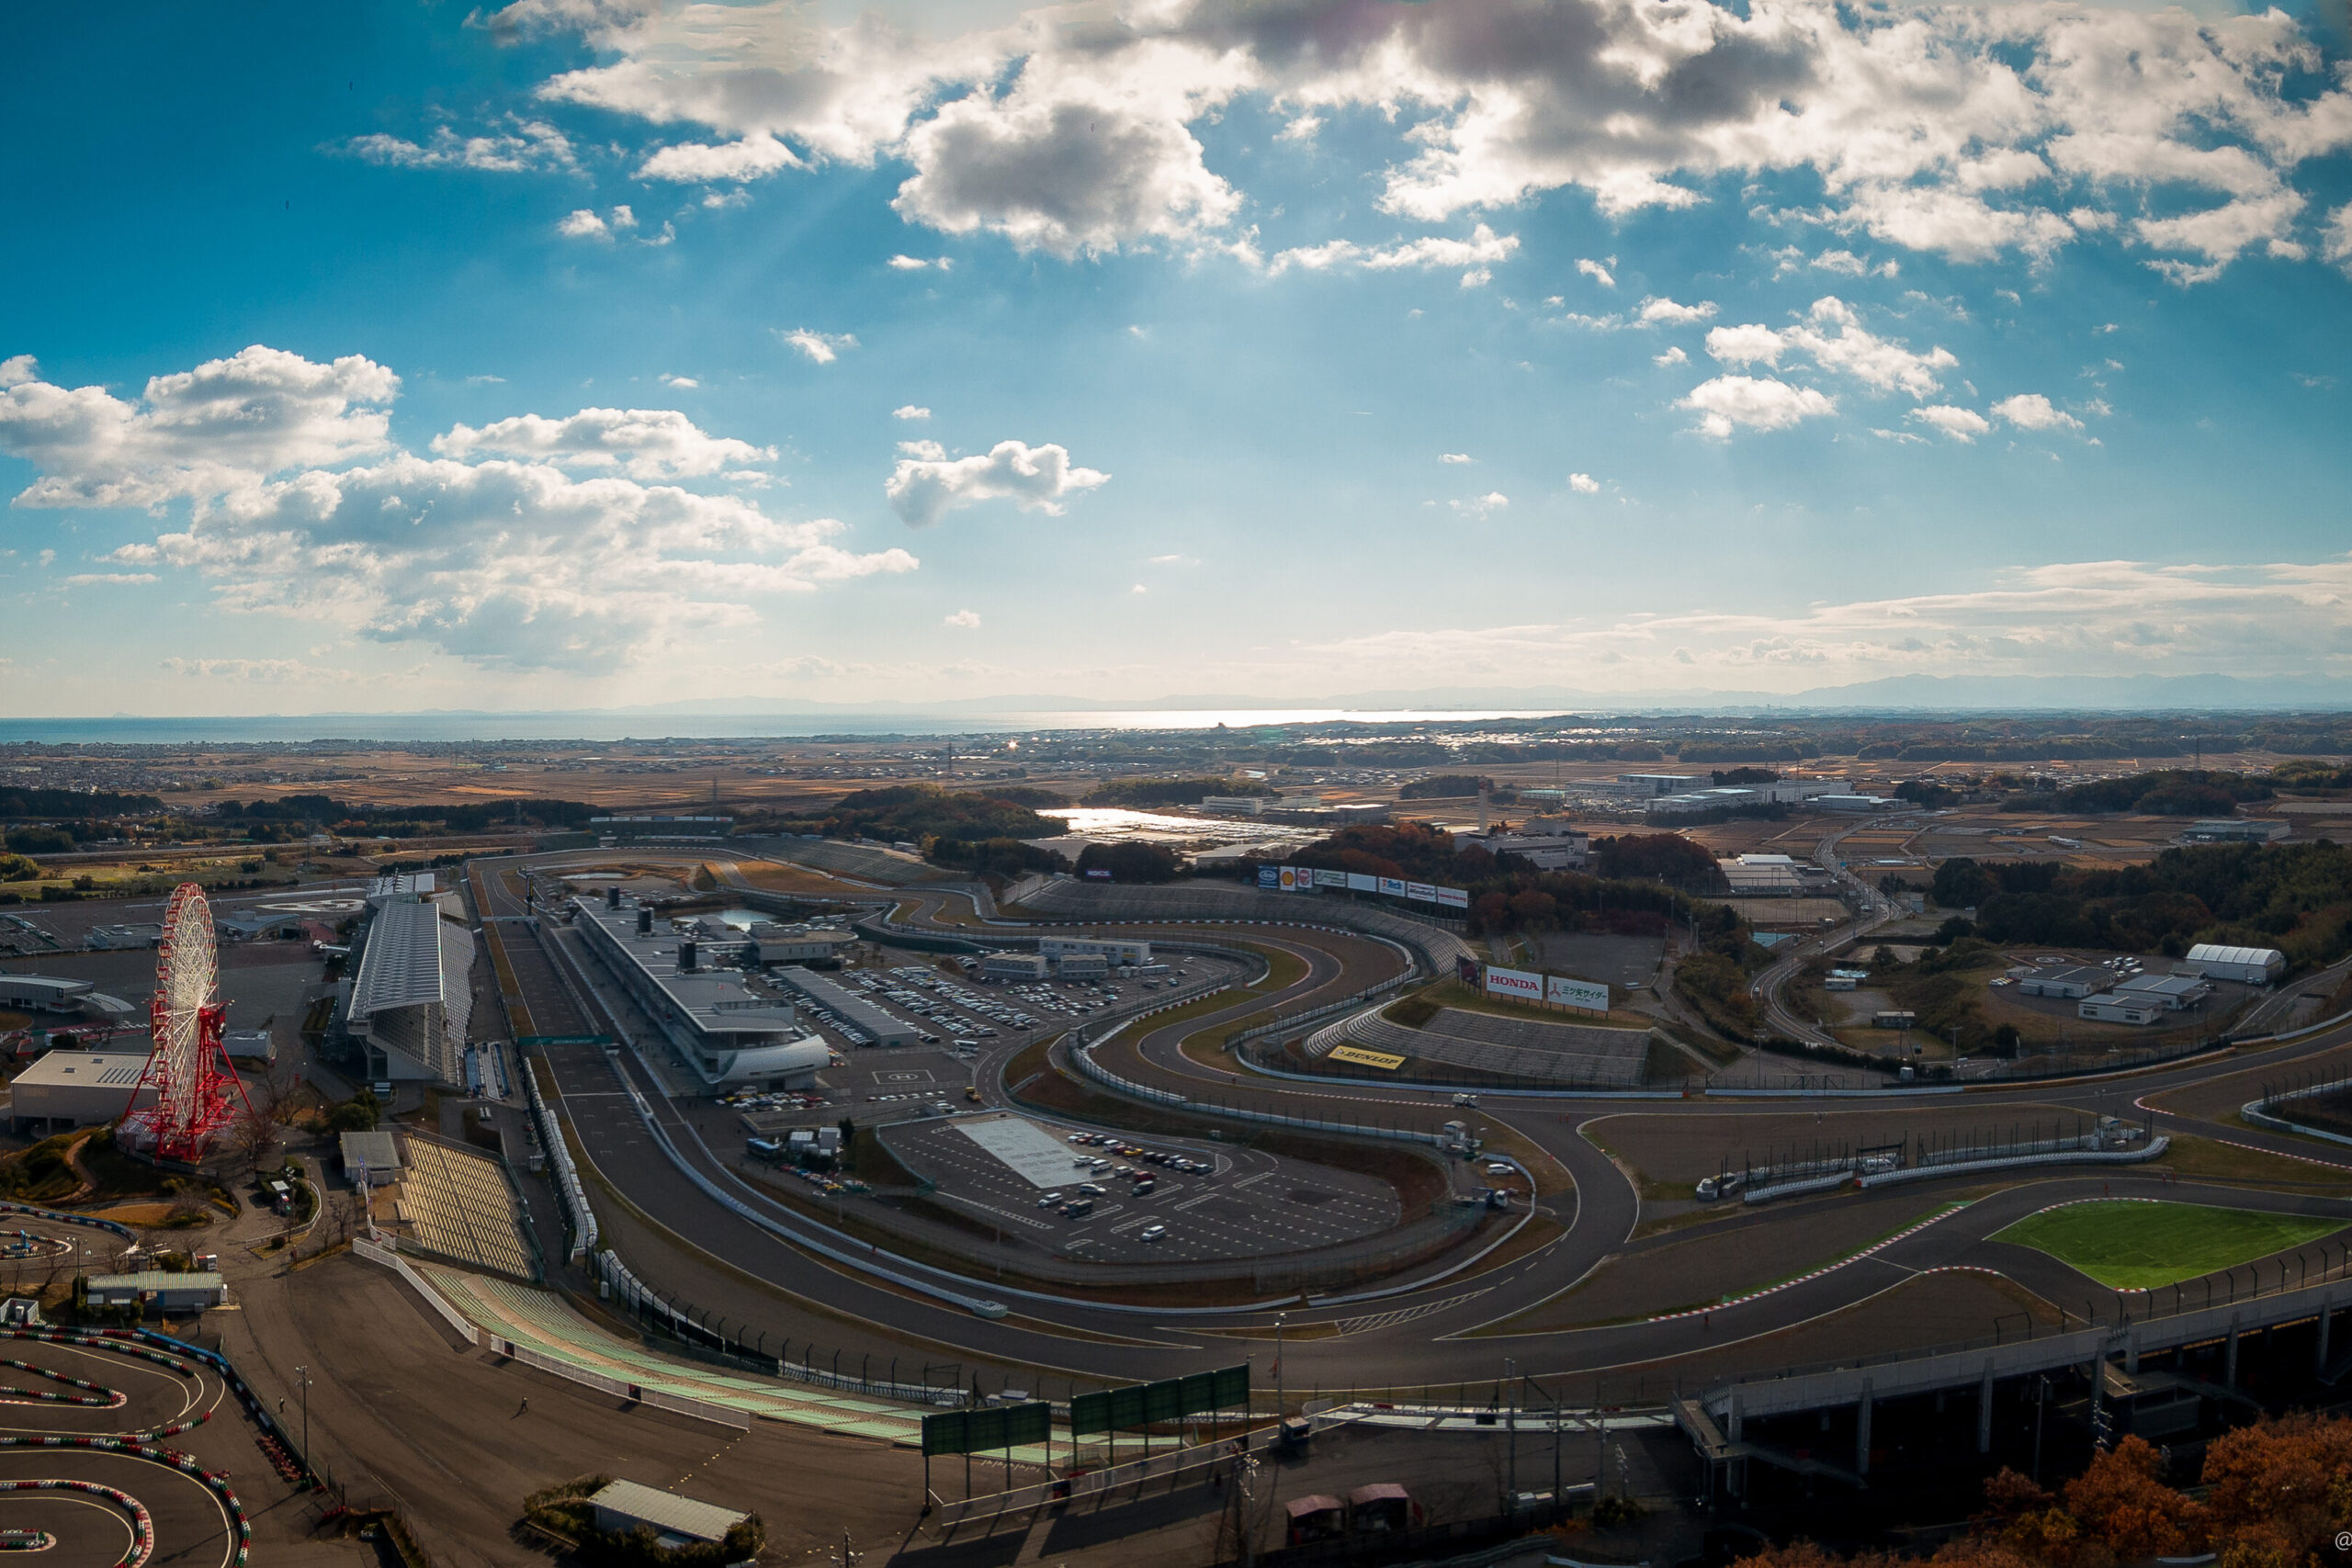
[[395, 356]]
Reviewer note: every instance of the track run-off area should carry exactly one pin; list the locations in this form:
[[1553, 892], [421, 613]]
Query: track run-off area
[[1607, 1280]]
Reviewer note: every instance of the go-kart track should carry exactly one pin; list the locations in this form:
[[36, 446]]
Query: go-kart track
[[95, 1429], [1575, 1290]]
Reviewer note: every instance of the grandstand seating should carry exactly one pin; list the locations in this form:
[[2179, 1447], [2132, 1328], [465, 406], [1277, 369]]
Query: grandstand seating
[[461, 1207], [1566, 1054], [888, 867], [1079, 902], [539, 1320]]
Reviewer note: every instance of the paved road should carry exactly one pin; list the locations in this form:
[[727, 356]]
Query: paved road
[[1417, 1335]]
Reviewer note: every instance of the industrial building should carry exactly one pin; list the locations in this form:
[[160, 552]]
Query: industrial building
[[1662, 784], [161, 1288], [2171, 992], [1762, 877], [42, 993], [2237, 830], [1121, 950], [2071, 981], [255, 1045], [373, 1157], [722, 1031], [2115, 1007], [883, 1027], [1546, 847], [401, 886], [412, 999], [1014, 966], [675, 1521], [2246, 965], [77, 1088], [661, 828], [783, 945], [1233, 805]]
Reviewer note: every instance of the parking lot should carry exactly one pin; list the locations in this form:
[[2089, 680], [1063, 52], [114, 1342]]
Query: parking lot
[[1234, 1203]]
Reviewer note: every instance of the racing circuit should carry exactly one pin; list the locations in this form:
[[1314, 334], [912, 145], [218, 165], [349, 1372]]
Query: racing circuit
[[1606, 1285]]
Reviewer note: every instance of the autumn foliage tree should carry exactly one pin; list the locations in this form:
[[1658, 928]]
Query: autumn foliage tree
[[2273, 1494]]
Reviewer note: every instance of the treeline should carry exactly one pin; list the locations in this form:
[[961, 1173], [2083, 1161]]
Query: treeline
[[1443, 786], [17, 801], [463, 817], [2273, 1494], [1146, 794], [2295, 898], [2172, 792], [923, 812]]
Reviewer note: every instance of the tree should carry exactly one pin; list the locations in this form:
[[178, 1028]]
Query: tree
[[357, 1115], [1130, 861], [254, 1138]]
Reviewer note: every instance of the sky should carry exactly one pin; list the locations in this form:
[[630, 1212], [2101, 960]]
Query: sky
[[585, 353]]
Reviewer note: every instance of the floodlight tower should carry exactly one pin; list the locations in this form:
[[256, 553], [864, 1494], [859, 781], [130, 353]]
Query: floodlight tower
[[186, 1066]]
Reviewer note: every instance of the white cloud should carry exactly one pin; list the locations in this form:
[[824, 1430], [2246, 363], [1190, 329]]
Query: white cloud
[[821, 347], [1138, 588], [269, 671], [583, 224], [1729, 401], [1455, 457], [1596, 271], [2032, 411], [1485, 505], [1962, 425], [1584, 484], [917, 264], [909, 411], [225, 423], [684, 383], [968, 619], [109, 579], [1657, 312], [696, 163], [506, 563], [1672, 356], [2335, 241], [526, 145], [1478, 253], [649, 444], [1955, 129], [927, 484], [1832, 334]]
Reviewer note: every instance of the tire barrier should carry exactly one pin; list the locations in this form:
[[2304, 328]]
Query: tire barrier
[[143, 1523], [88, 1222], [144, 1542], [95, 1395]]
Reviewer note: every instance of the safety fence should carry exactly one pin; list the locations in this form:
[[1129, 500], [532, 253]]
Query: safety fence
[[2317, 1102], [580, 1219], [378, 1253], [1082, 1055], [55, 1216], [1100, 1484]]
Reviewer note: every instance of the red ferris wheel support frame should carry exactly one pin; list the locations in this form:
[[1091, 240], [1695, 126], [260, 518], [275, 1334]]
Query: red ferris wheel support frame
[[187, 1066]]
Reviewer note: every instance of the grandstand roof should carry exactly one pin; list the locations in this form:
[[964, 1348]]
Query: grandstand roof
[[401, 965]]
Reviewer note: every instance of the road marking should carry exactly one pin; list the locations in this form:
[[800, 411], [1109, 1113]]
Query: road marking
[[1348, 1326]]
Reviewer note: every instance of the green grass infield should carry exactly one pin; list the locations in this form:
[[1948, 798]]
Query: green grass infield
[[2136, 1247]]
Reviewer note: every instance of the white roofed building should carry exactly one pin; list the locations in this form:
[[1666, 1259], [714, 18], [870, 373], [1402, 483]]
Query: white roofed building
[[411, 1001], [2248, 965]]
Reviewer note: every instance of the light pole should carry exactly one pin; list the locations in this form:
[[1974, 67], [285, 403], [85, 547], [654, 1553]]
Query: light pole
[[304, 1374], [1281, 1406]]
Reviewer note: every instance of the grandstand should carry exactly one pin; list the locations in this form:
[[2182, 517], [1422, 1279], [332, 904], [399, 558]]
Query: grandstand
[[1566, 1056], [1083, 902], [458, 1205], [539, 1320], [892, 868]]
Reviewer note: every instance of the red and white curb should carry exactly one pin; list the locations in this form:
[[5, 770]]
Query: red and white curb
[[1876, 1247]]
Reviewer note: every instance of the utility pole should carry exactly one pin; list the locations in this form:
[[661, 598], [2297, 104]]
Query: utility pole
[[1281, 1406], [304, 1374], [1511, 1377]]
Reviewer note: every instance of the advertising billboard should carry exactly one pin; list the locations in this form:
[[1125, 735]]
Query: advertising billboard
[[1575, 994], [1393, 885], [1517, 984], [1289, 878], [1358, 882], [1268, 876], [1421, 892], [1453, 897], [1330, 878], [1098, 874]]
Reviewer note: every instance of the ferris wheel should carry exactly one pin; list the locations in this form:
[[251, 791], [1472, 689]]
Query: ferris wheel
[[186, 1066]]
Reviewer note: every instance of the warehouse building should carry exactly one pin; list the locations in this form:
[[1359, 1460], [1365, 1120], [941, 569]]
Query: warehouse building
[[373, 1157], [160, 1289], [412, 999], [623, 1505], [2071, 981], [1762, 877], [2246, 965], [77, 1088], [724, 1033], [42, 993], [1111, 950], [1661, 783], [2236, 830], [1014, 966], [2171, 992], [882, 1027], [2114, 1008]]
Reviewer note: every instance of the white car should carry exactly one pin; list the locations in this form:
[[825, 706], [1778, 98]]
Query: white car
[[1151, 1233]]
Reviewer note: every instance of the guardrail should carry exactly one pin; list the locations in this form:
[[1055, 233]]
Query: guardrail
[[1113, 1478], [376, 1253], [1082, 1054], [578, 1217]]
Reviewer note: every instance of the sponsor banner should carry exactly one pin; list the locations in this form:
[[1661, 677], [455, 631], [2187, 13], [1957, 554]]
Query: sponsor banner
[[1575, 994], [1453, 897], [1268, 876], [1289, 878], [1517, 984], [1421, 892], [1393, 885], [1330, 878], [1099, 875], [1386, 1061], [1358, 882]]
